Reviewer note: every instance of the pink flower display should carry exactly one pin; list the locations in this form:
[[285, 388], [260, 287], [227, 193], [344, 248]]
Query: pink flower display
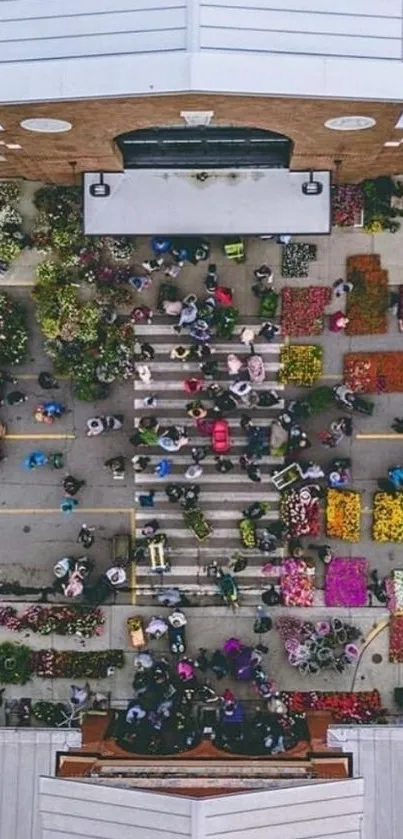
[[297, 582], [346, 582]]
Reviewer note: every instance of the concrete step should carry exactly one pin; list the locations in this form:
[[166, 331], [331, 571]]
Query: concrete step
[[172, 366], [189, 422], [158, 384], [143, 514], [224, 348]]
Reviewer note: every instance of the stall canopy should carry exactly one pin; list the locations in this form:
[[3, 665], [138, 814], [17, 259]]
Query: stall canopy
[[212, 202]]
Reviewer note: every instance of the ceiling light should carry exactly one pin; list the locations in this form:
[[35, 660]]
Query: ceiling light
[[197, 117], [2, 128], [12, 145], [312, 187], [46, 126], [100, 189], [350, 123], [393, 143]]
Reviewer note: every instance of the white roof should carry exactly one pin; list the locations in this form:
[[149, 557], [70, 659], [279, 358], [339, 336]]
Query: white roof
[[71, 49], [78, 810], [377, 758], [25, 754], [228, 202]]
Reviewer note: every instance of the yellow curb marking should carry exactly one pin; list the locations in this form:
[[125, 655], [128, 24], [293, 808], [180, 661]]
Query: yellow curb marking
[[24, 511], [28, 376], [133, 574], [67, 436], [379, 437], [335, 376]]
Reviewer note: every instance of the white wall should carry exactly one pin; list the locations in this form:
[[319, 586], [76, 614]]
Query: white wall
[[46, 29]]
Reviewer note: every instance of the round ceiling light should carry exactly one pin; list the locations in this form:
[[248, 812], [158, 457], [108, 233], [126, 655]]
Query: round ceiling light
[[350, 123], [46, 126]]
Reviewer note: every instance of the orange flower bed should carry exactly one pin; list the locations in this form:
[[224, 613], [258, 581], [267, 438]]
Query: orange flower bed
[[367, 303], [377, 372]]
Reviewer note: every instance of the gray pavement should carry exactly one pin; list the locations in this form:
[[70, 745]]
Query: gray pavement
[[35, 534]]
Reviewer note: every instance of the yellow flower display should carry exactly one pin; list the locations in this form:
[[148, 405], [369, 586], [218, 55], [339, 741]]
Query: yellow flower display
[[343, 515], [387, 522], [301, 364]]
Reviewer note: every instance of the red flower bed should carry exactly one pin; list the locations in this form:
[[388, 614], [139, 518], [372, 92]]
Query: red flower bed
[[347, 205], [360, 707], [367, 303], [396, 639], [302, 311], [378, 372]]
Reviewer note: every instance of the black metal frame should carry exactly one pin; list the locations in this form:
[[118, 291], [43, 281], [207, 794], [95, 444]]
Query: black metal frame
[[204, 147]]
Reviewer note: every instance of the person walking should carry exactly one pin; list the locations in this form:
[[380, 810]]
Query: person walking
[[86, 536], [223, 464], [68, 505], [341, 287], [15, 397], [193, 472], [397, 425], [72, 485], [140, 462], [253, 473], [198, 453], [247, 338], [47, 381]]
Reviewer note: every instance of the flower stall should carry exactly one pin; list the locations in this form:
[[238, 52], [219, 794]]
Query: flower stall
[[300, 511], [353, 708], [62, 620], [379, 195], [195, 520], [297, 582], [374, 372], [387, 520], [324, 645], [13, 331], [343, 515], [247, 533], [394, 590], [18, 663], [347, 205], [367, 303], [346, 581], [301, 364], [302, 310], [12, 239], [396, 639], [295, 259], [53, 664]]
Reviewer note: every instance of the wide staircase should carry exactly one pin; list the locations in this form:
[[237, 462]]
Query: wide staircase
[[223, 496]]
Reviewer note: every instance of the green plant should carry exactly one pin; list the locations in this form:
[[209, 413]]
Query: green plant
[[51, 713], [15, 664], [268, 304], [13, 331]]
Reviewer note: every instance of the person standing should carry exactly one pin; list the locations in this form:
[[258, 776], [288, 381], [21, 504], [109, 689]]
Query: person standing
[[223, 464], [72, 485]]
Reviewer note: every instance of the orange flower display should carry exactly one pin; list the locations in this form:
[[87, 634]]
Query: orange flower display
[[343, 515]]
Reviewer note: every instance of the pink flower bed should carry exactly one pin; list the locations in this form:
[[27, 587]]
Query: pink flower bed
[[297, 582], [346, 582], [302, 310]]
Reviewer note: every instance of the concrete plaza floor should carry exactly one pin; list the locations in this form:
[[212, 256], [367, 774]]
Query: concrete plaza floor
[[35, 534]]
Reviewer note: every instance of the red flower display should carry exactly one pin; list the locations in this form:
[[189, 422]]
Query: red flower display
[[347, 205], [396, 639], [367, 303], [360, 707], [302, 311], [377, 372]]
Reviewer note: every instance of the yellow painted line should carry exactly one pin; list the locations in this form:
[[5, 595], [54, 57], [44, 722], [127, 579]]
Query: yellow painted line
[[67, 436], [335, 376], [33, 511], [379, 437], [133, 570], [28, 376]]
